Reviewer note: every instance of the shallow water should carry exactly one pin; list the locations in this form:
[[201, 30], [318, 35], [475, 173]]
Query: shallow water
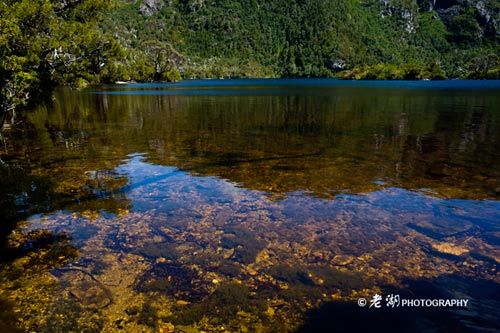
[[252, 205]]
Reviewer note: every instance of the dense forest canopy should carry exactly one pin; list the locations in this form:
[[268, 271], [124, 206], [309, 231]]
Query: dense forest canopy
[[224, 38], [44, 43]]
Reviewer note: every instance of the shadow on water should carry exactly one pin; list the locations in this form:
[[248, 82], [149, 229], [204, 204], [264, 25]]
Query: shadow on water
[[18, 197], [8, 317], [479, 316]]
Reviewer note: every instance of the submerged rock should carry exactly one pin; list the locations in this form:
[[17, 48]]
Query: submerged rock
[[87, 290], [450, 248]]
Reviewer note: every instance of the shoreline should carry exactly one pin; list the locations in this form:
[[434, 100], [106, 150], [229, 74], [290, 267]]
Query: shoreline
[[335, 78]]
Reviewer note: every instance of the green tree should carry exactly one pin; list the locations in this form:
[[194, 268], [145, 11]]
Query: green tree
[[484, 67], [44, 43], [162, 57], [172, 75]]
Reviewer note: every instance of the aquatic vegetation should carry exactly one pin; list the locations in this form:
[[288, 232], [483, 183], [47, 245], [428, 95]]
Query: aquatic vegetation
[[171, 279], [158, 250]]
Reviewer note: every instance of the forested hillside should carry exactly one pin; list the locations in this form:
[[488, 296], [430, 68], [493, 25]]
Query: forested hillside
[[221, 38], [45, 43]]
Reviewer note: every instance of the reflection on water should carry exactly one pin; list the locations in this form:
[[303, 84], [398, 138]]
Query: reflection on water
[[251, 206]]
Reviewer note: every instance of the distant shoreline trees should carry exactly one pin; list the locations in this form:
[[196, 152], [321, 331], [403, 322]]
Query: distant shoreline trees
[[46, 43]]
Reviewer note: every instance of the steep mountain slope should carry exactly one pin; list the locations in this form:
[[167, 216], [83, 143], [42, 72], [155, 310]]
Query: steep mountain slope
[[306, 37]]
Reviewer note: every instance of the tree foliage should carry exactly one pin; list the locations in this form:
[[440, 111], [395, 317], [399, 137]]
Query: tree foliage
[[314, 38], [484, 67], [47, 42]]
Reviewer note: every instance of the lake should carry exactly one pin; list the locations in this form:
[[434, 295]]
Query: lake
[[253, 206]]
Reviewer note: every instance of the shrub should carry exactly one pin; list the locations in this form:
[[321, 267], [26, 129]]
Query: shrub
[[172, 75]]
